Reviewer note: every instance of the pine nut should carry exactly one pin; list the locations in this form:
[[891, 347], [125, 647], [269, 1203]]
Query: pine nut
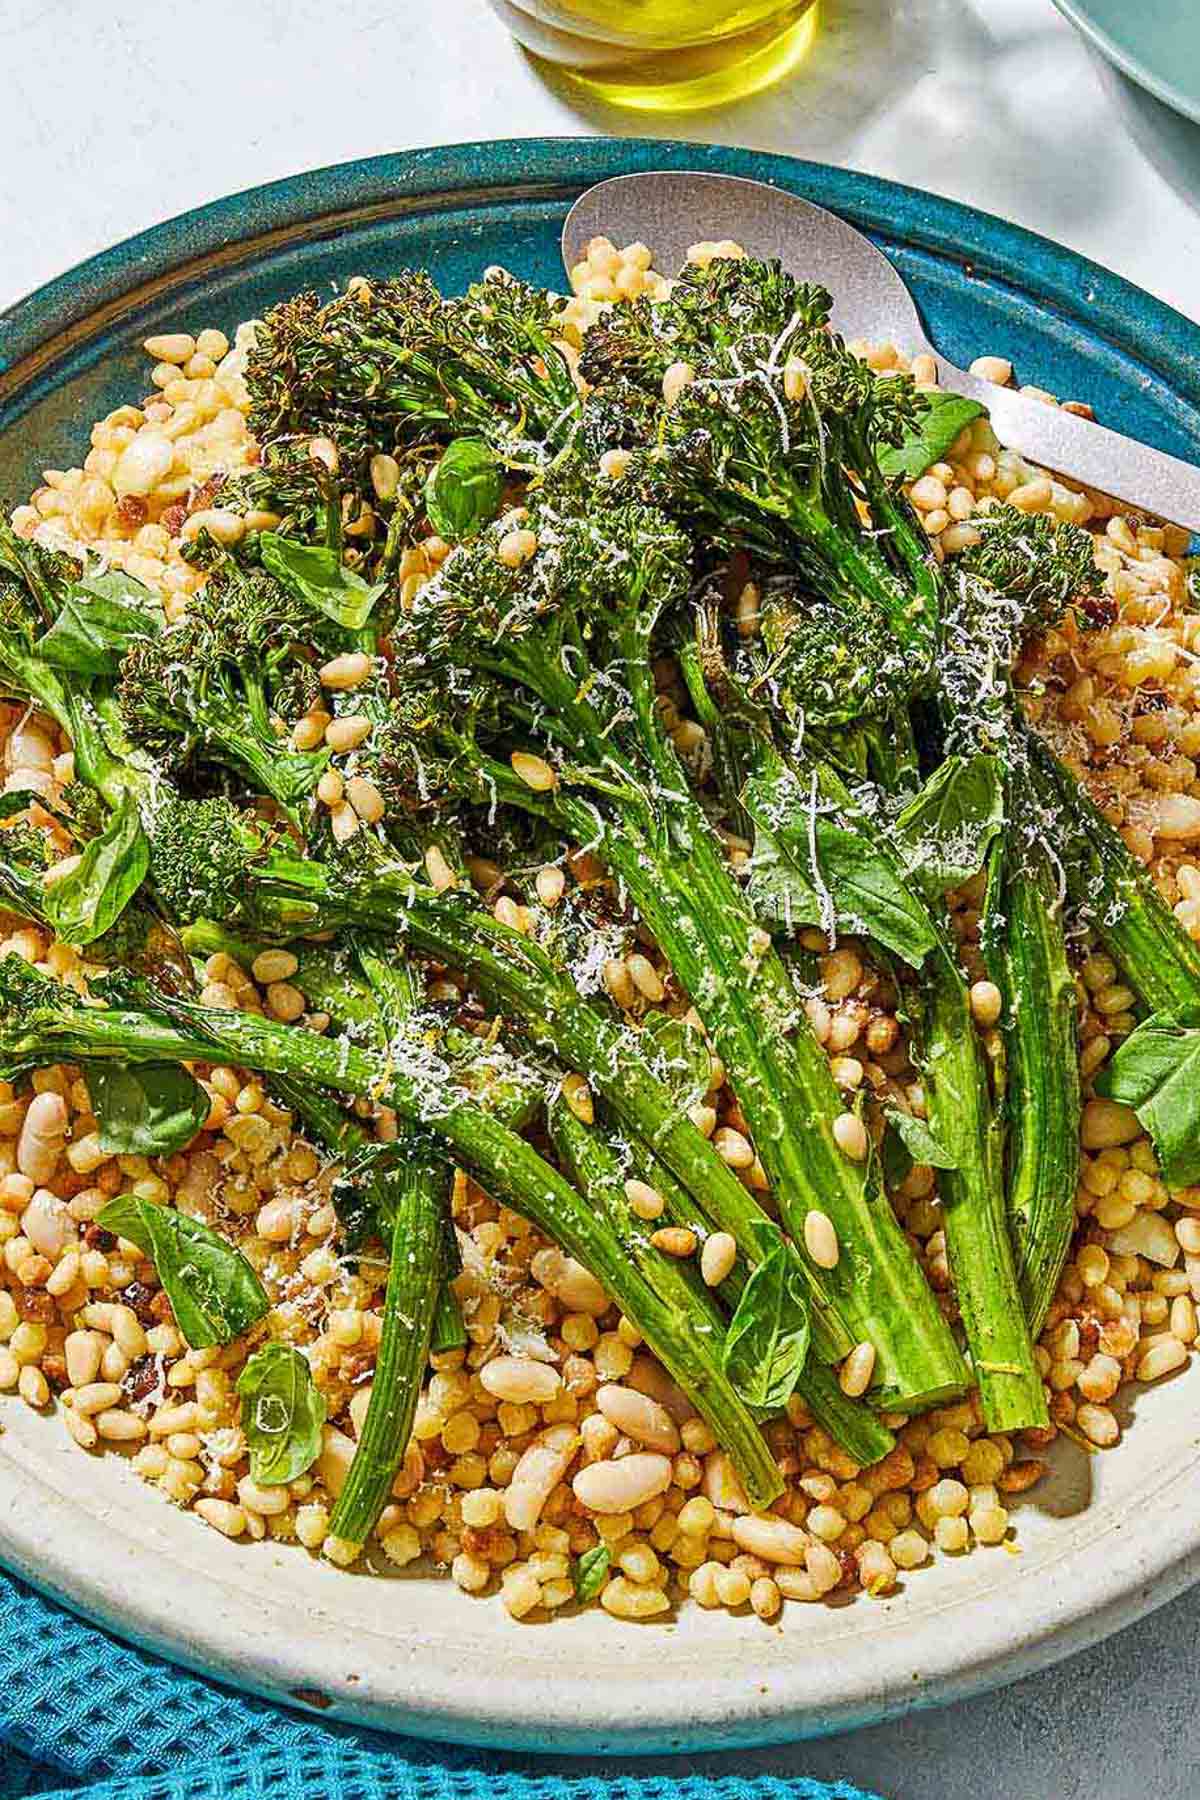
[[675, 379], [1163, 1356], [857, 1370], [850, 1136], [348, 732], [119, 1426], [223, 1515], [366, 799], [534, 771], [578, 1097], [674, 1240], [82, 1430], [550, 883], [170, 347], [993, 368], [349, 670], [718, 1257], [626, 1599], [986, 1002], [643, 1199], [385, 476], [820, 1239], [646, 977], [274, 965], [733, 1149], [795, 379]]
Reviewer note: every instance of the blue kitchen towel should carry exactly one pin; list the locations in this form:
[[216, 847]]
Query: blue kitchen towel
[[86, 1717]]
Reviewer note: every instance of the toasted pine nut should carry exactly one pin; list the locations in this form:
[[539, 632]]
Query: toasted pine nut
[[718, 1257], [820, 1239]]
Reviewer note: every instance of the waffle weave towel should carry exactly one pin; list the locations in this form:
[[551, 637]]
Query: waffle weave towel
[[85, 1717]]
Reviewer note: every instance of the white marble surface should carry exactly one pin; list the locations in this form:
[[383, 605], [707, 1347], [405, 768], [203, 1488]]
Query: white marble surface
[[114, 117]]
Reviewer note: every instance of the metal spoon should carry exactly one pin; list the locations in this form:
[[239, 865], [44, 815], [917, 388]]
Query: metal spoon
[[672, 209]]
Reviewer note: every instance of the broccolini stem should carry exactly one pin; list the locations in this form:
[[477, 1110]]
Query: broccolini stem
[[850, 1423], [964, 1121], [1115, 894], [416, 1199], [740, 987], [697, 1326], [509, 1168], [1025, 953]]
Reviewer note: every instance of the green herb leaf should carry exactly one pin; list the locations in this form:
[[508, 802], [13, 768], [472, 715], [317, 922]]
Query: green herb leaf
[[464, 489], [151, 1110], [317, 574], [1157, 1072], [282, 1414], [84, 904], [213, 1291], [917, 1143], [679, 1057], [591, 1572], [767, 1341], [944, 834], [931, 440], [103, 614], [811, 869]]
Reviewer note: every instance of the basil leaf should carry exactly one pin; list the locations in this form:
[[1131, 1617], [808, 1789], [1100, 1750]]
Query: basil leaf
[[810, 869], [591, 1572], [103, 614], [944, 834], [282, 1414], [679, 1057], [83, 905], [464, 489], [152, 1110], [317, 574], [213, 1291], [919, 1143], [1157, 1072], [932, 438], [767, 1341]]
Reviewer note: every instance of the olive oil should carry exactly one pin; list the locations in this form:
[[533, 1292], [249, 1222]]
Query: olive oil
[[666, 55]]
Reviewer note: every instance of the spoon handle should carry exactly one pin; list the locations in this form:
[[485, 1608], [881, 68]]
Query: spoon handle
[[1087, 452]]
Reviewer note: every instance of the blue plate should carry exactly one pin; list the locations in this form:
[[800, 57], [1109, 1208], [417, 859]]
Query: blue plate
[[71, 351], [69, 354], [1155, 42]]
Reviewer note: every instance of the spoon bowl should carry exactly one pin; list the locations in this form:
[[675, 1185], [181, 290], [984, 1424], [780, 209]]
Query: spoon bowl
[[673, 209]]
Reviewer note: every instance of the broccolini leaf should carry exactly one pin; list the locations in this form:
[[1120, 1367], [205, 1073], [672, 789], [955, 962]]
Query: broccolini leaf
[[317, 574], [153, 1109], [767, 1341], [1157, 1072], [908, 1140], [808, 869], [85, 903], [282, 1414], [464, 489], [100, 617], [591, 1572], [929, 440], [214, 1293], [944, 834]]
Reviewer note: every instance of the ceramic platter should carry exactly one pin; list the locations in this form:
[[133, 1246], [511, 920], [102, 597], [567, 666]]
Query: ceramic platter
[[1106, 1539]]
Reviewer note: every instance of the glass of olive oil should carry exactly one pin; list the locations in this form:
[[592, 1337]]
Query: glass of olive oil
[[665, 55]]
